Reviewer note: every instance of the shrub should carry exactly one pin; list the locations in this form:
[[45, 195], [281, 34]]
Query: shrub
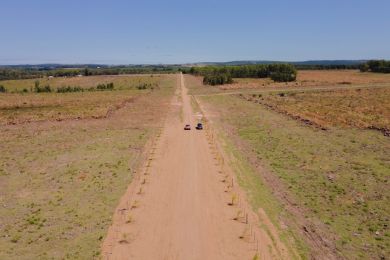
[[108, 86], [217, 79], [69, 89], [2, 89], [283, 76], [145, 86], [43, 89], [142, 86], [283, 72]]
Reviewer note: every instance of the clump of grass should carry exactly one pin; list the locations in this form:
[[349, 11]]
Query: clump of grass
[[135, 205], [15, 238], [2, 89], [233, 200], [129, 219], [124, 239], [244, 233], [108, 86], [238, 215]]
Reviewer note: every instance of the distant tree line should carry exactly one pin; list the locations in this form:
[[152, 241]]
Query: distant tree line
[[328, 67], [12, 73], [215, 75], [381, 66], [7, 74]]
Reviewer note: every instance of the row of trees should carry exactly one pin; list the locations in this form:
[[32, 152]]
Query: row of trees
[[7, 74], [381, 66], [214, 75], [29, 73], [327, 67]]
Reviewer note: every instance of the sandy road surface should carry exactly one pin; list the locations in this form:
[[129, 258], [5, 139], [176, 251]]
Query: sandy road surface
[[179, 210]]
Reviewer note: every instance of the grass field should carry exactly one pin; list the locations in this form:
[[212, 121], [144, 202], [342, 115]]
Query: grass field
[[18, 108], [361, 108], [61, 181], [337, 178], [312, 78], [305, 79], [120, 82]]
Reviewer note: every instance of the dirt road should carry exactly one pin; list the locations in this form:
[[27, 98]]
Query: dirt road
[[179, 209]]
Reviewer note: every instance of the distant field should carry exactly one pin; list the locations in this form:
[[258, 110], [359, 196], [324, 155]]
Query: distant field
[[61, 181], [361, 108], [336, 180], [305, 79], [120, 82], [27, 107], [311, 78]]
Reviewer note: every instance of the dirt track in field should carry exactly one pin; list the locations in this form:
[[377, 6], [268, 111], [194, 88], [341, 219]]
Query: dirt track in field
[[177, 206]]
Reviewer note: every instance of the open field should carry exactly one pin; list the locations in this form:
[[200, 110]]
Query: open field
[[312, 78], [366, 108], [120, 82], [27, 107], [305, 79], [60, 181], [333, 184]]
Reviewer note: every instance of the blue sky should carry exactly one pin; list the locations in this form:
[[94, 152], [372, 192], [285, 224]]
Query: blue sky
[[170, 31]]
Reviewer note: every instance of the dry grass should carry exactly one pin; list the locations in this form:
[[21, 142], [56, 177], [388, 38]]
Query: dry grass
[[313, 78], [331, 77], [120, 82], [337, 179], [61, 181], [18, 108], [361, 108]]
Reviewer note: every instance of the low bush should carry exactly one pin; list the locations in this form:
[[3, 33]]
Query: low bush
[[217, 79], [44, 89], [283, 73], [2, 89], [69, 89], [108, 86], [145, 86]]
